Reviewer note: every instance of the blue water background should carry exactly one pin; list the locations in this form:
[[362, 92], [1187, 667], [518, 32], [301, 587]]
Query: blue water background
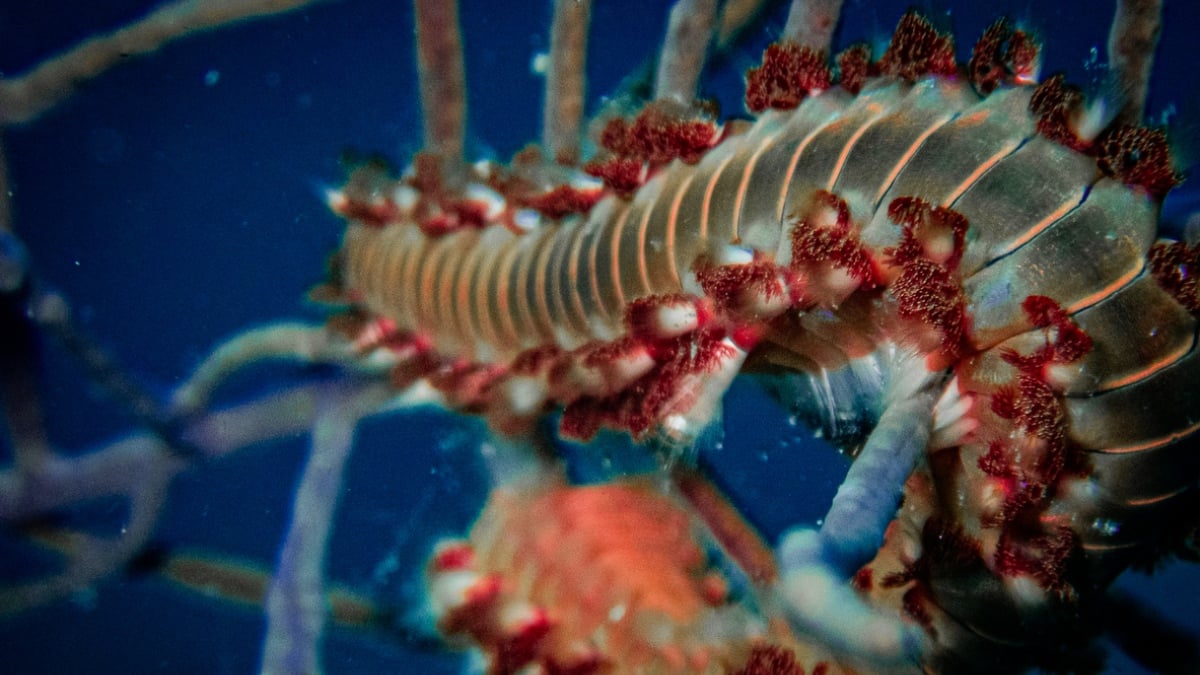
[[176, 201]]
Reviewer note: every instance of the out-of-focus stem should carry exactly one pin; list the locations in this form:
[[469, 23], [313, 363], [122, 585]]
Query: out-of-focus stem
[[26, 97], [682, 59], [443, 85], [566, 80], [291, 341], [296, 599], [812, 22], [1131, 45], [736, 15]]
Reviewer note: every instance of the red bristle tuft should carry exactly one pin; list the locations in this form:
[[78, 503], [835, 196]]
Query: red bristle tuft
[[1042, 556], [522, 647], [621, 175], [935, 234], [1002, 56], [837, 245], [1139, 157], [854, 67], [562, 201], [864, 579], [1055, 104], [789, 72], [1065, 341], [536, 360], [926, 292], [1176, 268], [918, 49], [766, 659]]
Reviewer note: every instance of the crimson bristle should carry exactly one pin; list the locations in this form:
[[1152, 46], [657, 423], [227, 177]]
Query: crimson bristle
[[1002, 56], [1055, 103], [522, 648], [621, 175], [727, 285], [1065, 341], [644, 403], [1139, 157], [767, 659], [372, 213], [661, 132], [1176, 268], [1042, 556], [536, 360], [922, 222], [562, 201], [1035, 409], [641, 314], [928, 293], [918, 49], [456, 556], [839, 246], [789, 71], [863, 579], [854, 67], [915, 604]]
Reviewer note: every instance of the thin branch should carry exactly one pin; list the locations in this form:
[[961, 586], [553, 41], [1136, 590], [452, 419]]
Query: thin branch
[[26, 97], [286, 341], [688, 34], [443, 85], [736, 16], [295, 602], [1131, 45], [566, 80], [812, 22]]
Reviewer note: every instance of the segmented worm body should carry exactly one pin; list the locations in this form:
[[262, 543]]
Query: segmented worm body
[[911, 237]]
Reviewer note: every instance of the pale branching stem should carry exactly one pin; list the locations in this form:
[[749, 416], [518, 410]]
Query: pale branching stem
[[1131, 45], [283, 341], [566, 80], [736, 15], [24, 98], [140, 468], [443, 85], [682, 59], [812, 22], [295, 604]]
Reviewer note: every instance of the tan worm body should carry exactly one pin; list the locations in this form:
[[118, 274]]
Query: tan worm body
[[1042, 221]]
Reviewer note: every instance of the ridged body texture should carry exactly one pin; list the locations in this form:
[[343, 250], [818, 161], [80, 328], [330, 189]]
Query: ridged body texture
[[836, 242]]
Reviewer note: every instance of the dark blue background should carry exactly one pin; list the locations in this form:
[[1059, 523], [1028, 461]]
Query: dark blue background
[[176, 200]]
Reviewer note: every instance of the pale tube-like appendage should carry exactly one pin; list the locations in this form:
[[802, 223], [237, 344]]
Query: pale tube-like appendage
[[443, 84], [25, 97], [295, 603], [816, 565], [1131, 44], [566, 81], [681, 61], [291, 341], [811, 23]]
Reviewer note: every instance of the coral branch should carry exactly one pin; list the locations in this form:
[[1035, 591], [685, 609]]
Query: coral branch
[[288, 341], [25, 98], [295, 601], [443, 84], [1131, 44], [811, 23], [566, 80], [683, 52], [816, 565]]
